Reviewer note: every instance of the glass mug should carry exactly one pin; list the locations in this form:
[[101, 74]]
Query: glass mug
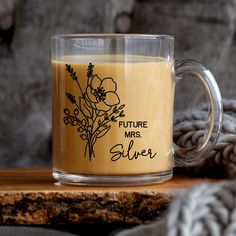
[[113, 98]]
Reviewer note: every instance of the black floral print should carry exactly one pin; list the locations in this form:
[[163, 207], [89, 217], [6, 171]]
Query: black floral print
[[95, 109]]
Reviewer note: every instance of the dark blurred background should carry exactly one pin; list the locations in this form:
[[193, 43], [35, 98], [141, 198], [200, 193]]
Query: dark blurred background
[[203, 30]]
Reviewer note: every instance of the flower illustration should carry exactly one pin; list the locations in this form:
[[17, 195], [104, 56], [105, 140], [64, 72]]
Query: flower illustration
[[94, 109], [102, 93]]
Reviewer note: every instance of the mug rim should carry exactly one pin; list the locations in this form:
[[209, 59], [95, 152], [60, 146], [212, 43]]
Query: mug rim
[[113, 35]]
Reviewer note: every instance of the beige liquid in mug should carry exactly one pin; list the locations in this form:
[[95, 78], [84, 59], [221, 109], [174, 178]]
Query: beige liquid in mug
[[112, 115]]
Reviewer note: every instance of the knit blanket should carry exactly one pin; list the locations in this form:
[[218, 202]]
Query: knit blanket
[[201, 211], [189, 129], [204, 209]]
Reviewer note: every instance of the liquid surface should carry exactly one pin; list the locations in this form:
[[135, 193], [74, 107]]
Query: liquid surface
[[114, 116]]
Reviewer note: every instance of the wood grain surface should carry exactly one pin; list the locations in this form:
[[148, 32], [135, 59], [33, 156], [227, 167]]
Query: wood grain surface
[[32, 196]]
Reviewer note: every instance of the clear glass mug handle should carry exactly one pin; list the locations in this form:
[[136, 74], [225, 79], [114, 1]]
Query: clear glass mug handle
[[194, 155]]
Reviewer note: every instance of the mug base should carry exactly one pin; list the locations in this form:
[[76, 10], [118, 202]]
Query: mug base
[[111, 180]]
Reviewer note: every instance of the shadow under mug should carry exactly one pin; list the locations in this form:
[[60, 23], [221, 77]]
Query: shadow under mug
[[112, 110]]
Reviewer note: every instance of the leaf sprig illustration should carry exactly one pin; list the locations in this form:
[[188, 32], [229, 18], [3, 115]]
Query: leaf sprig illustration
[[71, 97], [72, 72], [95, 110], [90, 70]]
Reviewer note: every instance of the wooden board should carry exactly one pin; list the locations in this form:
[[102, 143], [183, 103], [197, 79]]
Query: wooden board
[[32, 196]]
